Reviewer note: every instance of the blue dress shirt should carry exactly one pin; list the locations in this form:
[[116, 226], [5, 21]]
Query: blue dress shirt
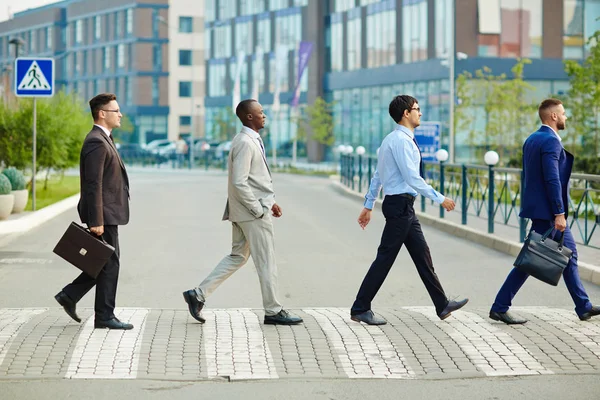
[[398, 169]]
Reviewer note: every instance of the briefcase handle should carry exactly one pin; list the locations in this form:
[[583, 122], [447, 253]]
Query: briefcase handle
[[562, 239], [99, 237]]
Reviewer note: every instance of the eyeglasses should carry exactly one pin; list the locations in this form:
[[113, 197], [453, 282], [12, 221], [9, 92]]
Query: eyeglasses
[[115, 111], [418, 109]]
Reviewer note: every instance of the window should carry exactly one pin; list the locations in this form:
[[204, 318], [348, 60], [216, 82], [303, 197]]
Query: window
[[78, 31], [32, 40], [157, 57], [288, 30], [107, 53], [155, 90], [216, 79], [414, 34], [185, 89], [227, 9], [222, 40], [49, 38], [185, 120], [129, 21], [343, 5], [337, 40], [510, 28], [118, 24], [209, 10], [354, 43], [97, 27], [443, 27], [278, 4], [263, 34], [249, 7], [243, 38], [185, 57], [121, 56], [186, 24]]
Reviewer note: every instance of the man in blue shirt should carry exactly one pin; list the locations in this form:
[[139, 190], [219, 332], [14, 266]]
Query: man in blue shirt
[[399, 171]]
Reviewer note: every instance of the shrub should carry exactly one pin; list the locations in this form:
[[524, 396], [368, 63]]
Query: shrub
[[16, 178], [5, 186]]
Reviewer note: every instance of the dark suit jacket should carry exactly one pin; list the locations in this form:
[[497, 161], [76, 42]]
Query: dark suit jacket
[[546, 171], [104, 182]]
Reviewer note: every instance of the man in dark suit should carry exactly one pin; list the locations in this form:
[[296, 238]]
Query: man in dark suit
[[545, 200], [104, 204]]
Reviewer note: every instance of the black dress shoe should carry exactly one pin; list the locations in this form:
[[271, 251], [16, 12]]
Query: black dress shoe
[[452, 306], [68, 304], [194, 305], [112, 324], [282, 318], [506, 318], [595, 310], [368, 318]]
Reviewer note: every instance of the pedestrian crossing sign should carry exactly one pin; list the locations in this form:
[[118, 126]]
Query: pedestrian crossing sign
[[34, 77]]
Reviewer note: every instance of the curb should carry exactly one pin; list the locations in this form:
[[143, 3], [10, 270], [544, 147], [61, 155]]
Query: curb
[[11, 229], [587, 272]]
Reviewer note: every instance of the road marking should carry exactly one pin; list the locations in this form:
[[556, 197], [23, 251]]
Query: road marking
[[489, 348], [364, 351], [106, 353], [235, 347], [586, 333], [11, 322]]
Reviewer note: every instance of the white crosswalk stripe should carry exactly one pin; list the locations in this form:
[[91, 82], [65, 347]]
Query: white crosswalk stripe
[[492, 350], [364, 351], [235, 346], [106, 353]]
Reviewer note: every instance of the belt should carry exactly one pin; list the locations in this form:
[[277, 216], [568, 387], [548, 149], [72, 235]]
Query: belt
[[403, 195]]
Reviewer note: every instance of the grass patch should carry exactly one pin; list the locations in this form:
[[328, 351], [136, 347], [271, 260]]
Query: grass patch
[[59, 188]]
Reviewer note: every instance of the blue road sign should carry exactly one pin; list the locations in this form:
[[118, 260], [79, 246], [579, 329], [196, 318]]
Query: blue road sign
[[34, 77], [428, 135]]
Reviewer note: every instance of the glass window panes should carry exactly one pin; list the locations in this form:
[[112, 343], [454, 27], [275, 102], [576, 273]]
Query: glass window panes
[[186, 24], [414, 30], [263, 34], [278, 4], [216, 79], [343, 5], [129, 21], [185, 89], [288, 30], [107, 54], [521, 34], [78, 31], [227, 9], [185, 57], [210, 10], [443, 27], [49, 34], [185, 120], [222, 40], [249, 7], [354, 29], [337, 49], [243, 37], [121, 56], [97, 27], [573, 28]]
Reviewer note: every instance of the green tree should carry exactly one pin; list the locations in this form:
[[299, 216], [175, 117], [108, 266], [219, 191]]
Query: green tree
[[583, 101], [316, 122]]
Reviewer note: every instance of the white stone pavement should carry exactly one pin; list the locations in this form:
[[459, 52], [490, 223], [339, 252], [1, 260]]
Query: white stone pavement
[[235, 345]]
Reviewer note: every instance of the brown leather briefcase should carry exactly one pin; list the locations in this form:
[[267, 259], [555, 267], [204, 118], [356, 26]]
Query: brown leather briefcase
[[83, 249]]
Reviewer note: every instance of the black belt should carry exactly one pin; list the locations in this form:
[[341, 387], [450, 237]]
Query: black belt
[[403, 195]]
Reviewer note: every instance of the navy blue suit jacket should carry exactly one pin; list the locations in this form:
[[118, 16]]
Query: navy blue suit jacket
[[546, 171]]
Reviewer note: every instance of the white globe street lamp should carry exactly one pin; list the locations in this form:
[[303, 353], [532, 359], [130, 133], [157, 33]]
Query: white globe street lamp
[[491, 158], [360, 150], [441, 155]]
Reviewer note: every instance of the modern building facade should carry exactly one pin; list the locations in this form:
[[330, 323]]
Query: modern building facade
[[367, 51], [120, 46]]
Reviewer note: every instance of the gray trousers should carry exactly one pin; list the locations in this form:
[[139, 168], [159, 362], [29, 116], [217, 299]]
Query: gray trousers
[[254, 238]]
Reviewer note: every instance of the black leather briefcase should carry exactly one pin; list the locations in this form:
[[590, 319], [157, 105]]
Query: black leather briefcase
[[84, 249], [543, 258]]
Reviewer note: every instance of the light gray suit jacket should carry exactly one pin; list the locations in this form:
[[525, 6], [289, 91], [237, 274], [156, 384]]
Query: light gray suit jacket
[[250, 187]]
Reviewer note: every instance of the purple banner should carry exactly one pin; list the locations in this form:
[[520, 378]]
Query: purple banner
[[304, 53]]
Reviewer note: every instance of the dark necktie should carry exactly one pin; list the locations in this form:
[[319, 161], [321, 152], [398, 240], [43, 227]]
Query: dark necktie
[[420, 158], [262, 147], [111, 138]]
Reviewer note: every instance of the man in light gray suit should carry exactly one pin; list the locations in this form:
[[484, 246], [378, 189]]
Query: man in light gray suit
[[250, 199]]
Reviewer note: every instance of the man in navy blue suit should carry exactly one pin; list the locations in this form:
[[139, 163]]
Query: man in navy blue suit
[[546, 172]]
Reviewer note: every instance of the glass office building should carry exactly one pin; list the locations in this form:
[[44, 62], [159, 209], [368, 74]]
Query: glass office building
[[367, 51]]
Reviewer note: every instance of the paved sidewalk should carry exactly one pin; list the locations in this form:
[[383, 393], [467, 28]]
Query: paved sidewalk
[[235, 345]]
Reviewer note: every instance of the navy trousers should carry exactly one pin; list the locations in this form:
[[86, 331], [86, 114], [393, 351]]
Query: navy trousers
[[517, 278]]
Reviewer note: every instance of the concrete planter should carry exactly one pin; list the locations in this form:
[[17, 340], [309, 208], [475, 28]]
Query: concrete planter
[[21, 197], [6, 205]]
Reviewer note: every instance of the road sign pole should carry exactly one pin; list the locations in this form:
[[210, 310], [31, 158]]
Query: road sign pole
[[34, 154]]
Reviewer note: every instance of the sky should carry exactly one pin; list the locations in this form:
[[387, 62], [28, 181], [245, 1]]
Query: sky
[[14, 6]]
